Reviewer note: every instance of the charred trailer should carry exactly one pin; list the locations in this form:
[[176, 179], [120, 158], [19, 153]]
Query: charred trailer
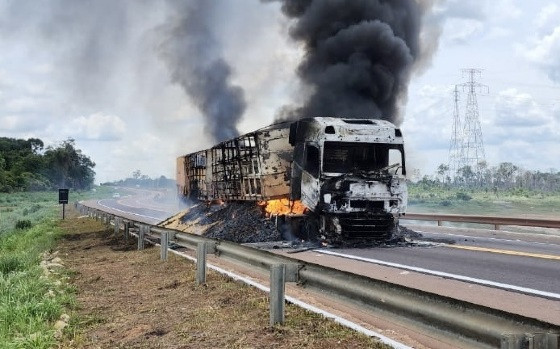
[[251, 167], [349, 174]]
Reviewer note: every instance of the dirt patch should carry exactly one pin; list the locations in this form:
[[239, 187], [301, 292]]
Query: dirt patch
[[131, 299]]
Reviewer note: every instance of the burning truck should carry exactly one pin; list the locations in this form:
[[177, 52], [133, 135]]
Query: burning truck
[[335, 180]]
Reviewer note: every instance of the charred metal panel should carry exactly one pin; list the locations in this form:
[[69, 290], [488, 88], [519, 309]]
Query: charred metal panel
[[180, 176], [309, 192], [226, 171], [196, 173], [277, 155]]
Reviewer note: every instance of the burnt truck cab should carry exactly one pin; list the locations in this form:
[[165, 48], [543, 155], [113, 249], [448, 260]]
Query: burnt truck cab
[[351, 174]]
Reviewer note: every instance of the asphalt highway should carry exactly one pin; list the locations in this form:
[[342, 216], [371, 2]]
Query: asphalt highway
[[512, 272], [147, 206], [512, 261], [524, 263]]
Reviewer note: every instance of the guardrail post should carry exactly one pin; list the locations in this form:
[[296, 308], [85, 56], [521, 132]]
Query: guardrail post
[[126, 231], [277, 293], [117, 225], [553, 340], [497, 227], [141, 233], [439, 223], [164, 243], [513, 341], [201, 263]]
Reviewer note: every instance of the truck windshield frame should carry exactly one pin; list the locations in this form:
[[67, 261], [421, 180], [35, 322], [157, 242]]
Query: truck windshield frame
[[352, 157]]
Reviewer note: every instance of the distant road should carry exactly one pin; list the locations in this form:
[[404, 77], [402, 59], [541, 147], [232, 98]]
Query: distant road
[[147, 206]]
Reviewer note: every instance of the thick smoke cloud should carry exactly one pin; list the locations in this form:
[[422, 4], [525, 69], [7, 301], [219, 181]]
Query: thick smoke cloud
[[192, 55], [359, 55]]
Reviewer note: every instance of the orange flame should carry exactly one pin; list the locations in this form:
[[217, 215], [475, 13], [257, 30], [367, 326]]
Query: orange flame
[[283, 207]]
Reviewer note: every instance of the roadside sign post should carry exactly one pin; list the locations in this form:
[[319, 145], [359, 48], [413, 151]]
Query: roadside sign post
[[63, 199]]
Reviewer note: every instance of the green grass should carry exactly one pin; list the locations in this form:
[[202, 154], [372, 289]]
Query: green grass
[[36, 206], [30, 301], [479, 202]]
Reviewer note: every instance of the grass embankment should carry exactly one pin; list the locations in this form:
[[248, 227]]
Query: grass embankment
[[33, 292], [479, 202], [31, 298]]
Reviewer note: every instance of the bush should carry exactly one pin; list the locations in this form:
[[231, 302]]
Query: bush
[[22, 224], [31, 209], [10, 263], [463, 196], [445, 203]]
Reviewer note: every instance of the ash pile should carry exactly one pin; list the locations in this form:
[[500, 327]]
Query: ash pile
[[240, 222]]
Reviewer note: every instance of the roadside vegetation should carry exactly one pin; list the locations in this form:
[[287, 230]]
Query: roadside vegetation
[[25, 165], [33, 288], [502, 190], [32, 298]]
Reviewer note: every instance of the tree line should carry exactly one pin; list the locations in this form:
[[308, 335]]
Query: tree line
[[505, 176], [141, 180], [26, 165]]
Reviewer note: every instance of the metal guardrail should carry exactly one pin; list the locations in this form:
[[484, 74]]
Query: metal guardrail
[[497, 222], [459, 321]]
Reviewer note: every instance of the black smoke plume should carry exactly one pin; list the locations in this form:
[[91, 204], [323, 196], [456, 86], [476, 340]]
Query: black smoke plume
[[192, 55], [359, 55]]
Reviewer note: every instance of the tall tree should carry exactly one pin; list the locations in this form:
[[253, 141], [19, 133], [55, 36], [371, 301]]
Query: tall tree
[[66, 166]]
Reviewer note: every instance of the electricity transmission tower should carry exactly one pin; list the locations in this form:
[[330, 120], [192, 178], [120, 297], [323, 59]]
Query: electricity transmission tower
[[467, 145], [456, 138]]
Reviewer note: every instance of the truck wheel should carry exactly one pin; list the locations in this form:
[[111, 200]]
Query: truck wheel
[[311, 228]]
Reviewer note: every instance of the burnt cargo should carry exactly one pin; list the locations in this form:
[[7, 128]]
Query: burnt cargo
[[349, 174]]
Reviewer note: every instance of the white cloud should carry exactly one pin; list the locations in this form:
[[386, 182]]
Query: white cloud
[[9, 123], [545, 53], [429, 117], [19, 125], [521, 126], [503, 9], [547, 20], [464, 21], [147, 152], [21, 104], [519, 109], [98, 126], [461, 30]]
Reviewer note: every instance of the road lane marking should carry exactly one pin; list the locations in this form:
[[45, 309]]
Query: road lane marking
[[524, 290], [132, 213], [508, 252]]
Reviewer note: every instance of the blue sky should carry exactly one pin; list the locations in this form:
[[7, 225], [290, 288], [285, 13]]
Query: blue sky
[[92, 72]]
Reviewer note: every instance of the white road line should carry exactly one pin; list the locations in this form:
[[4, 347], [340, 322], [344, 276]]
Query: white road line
[[309, 307], [127, 212], [528, 291]]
